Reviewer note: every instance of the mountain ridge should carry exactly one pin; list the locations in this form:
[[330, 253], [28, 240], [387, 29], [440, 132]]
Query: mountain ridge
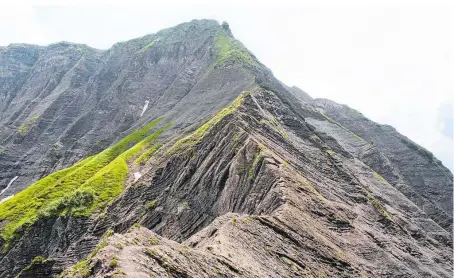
[[232, 165], [81, 119]]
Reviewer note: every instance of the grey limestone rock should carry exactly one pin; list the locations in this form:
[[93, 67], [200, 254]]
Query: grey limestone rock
[[281, 185]]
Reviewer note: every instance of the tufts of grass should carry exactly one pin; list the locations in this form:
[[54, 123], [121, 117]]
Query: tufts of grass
[[119, 245], [379, 177], [292, 264], [146, 47], [187, 142], [151, 204], [108, 233], [316, 139], [257, 158], [113, 262], [150, 252], [118, 273], [27, 126], [38, 260], [84, 267], [284, 164], [84, 188], [134, 226], [379, 207], [238, 135], [358, 137], [153, 240], [145, 156]]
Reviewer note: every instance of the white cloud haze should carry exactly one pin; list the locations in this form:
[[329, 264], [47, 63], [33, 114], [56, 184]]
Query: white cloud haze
[[394, 63]]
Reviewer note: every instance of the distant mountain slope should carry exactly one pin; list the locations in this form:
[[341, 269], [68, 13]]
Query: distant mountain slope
[[222, 170], [413, 170]]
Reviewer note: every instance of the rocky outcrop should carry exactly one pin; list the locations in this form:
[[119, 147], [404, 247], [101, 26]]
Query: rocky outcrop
[[275, 184]]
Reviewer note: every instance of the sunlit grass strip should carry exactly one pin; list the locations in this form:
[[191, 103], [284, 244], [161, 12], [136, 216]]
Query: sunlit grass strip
[[145, 156], [81, 189], [139, 147], [196, 136]]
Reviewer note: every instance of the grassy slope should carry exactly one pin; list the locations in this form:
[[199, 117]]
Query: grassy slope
[[195, 137], [229, 49], [81, 189]]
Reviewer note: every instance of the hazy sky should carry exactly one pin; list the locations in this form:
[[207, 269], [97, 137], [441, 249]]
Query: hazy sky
[[394, 63]]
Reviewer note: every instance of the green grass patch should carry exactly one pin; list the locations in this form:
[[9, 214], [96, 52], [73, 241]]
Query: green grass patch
[[146, 47], [143, 144], [153, 240], [83, 267], [358, 137], [379, 177], [73, 203], [119, 273], [82, 189], [150, 252], [187, 142], [229, 49], [26, 126], [255, 162], [274, 125], [38, 260], [378, 207], [151, 204], [145, 156], [238, 135], [114, 262], [108, 233]]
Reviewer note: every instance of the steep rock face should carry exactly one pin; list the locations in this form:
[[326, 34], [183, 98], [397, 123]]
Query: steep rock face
[[66, 101], [275, 184], [305, 204], [413, 170]]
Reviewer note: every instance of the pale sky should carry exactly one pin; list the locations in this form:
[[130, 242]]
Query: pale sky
[[392, 62]]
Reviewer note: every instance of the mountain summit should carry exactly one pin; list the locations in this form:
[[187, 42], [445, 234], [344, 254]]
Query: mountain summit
[[178, 154]]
